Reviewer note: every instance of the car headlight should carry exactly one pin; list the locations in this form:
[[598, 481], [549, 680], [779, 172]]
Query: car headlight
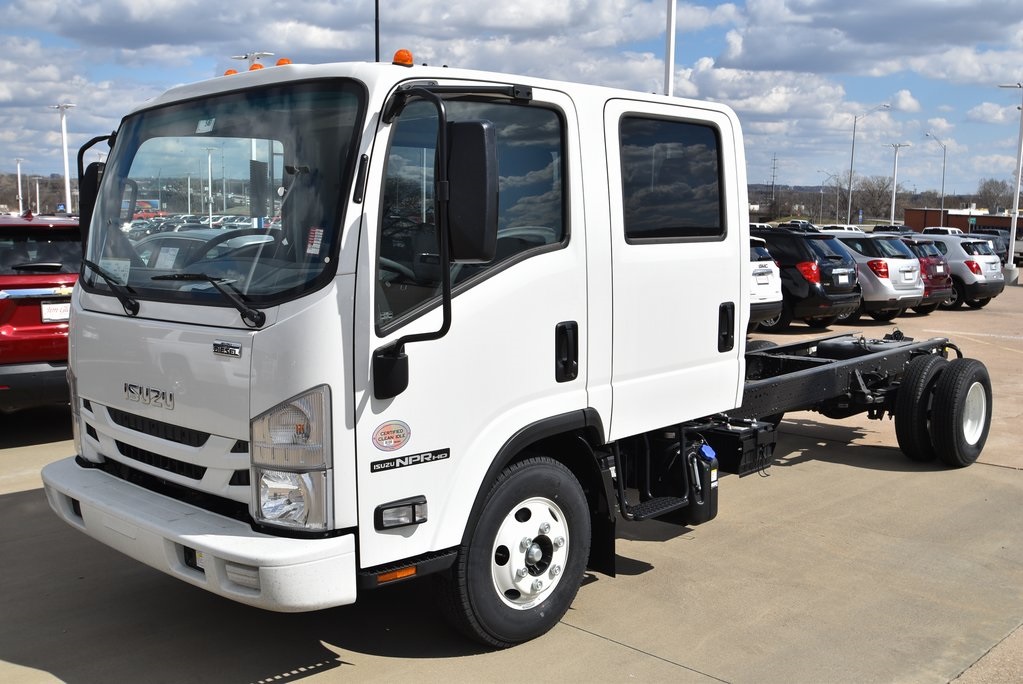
[[292, 459]]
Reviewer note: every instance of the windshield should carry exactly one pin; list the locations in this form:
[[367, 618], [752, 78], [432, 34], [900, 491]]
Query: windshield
[[245, 188]]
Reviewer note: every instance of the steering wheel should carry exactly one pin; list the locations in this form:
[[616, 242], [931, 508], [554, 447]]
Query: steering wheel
[[275, 236], [395, 268]]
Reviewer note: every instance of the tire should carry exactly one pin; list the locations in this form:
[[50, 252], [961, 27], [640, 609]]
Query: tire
[[780, 322], [955, 300], [961, 412], [926, 309], [851, 317], [978, 303], [759, 345], [502, 590], [885, 316], [821, 323], [913, 406]]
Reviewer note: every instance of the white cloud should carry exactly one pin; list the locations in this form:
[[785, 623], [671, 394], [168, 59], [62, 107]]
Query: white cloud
[[989, 112], [903, 101]]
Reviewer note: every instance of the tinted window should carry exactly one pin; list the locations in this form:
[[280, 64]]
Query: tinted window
[[27, 250], [670, 180], [893, 249], [975, 248], [759, 253], [828, 248], [861, 244], [531, 207]]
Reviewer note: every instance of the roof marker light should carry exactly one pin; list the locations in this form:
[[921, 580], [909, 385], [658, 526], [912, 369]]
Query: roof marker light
[[230, 72], [255, 66], [282, 61], [403, 58]]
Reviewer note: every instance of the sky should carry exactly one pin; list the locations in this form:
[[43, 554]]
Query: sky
[[798, 73]]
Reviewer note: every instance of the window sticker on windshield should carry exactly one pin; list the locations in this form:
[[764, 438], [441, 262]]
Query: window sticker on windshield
[[167, 257], [315, 241], [117, 268], [204, 126]]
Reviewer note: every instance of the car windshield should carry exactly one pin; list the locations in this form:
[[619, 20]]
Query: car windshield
[[977, 248], [266, 170], [893, 248], [828, 248], [31, 250]]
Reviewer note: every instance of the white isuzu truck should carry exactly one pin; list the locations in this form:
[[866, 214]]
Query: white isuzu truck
[[470, 322]]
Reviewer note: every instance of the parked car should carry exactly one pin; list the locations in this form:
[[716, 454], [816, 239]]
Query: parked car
[[765, 284], [976, 270], [934, 272], [905, 230], [842, 226], [999, 239], [889, 274], [818, 278], [39, 262], [941, 230]]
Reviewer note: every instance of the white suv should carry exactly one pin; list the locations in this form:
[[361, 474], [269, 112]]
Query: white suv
[[765, 284], [976, 270]]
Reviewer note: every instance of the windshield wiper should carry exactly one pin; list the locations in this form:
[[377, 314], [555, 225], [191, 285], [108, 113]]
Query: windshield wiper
[[249, 315], [122, 292]]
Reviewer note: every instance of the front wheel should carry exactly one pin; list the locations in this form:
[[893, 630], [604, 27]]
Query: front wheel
[[525, 559]]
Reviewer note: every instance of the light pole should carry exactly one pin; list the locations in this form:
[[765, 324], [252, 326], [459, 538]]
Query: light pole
[[895, 178], [209, 173], [837, 190], [944, 153], [852, 154], [669, 52], [21, 209], [1012, 274], [62, 108]]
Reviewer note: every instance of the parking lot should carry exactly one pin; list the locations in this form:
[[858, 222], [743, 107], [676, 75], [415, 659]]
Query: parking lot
[[844, 562]]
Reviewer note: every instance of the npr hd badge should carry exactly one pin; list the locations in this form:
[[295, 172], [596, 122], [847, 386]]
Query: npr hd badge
[[410, 460], [392, 435]]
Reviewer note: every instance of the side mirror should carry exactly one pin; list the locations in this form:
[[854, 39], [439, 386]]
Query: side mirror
[[473, 183], [88, 189]]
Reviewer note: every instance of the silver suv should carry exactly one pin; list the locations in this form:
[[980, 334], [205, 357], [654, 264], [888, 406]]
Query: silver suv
[[976, 270], [889, 274]]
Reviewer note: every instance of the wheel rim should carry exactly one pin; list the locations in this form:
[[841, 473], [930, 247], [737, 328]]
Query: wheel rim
[[768, 322], [530, 553], [974, 413]]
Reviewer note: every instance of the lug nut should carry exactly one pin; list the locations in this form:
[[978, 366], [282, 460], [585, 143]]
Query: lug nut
[[521, 572], [559, 542], [545, 528], [555, 571], [537, 585], [525, 543]]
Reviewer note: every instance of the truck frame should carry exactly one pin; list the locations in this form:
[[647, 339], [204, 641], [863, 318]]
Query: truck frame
[[476, 321]]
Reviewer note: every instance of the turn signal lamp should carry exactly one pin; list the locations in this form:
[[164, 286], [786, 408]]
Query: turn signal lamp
[[255, 66], [403, 58], [973, 266], [879, 267], [810, 270]]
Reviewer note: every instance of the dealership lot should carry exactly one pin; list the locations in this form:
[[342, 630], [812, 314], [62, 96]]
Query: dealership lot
[[844, 562]]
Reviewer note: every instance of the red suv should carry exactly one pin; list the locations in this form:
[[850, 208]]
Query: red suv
[[935, 273], [39, 262]]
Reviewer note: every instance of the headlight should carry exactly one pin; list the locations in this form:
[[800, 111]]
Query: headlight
[[292, 459]]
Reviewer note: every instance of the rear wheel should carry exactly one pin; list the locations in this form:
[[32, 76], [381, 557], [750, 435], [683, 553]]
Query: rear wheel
[[955, 300], [821, 323], [925, 308], [852, 316], [913, 406], [525, 559], [978, 303], [885, 316], [780, 322], [961, 412]]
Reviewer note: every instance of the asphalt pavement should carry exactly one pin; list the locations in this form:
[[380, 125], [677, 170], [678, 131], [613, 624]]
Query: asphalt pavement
[[844, 562]]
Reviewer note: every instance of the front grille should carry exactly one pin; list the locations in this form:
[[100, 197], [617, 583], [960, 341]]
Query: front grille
[[171, 465], [155, 428]]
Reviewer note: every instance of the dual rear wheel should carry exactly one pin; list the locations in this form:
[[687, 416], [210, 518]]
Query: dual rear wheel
[[943, 410]]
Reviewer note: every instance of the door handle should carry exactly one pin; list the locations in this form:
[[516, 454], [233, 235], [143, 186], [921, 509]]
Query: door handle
[[566, 351]]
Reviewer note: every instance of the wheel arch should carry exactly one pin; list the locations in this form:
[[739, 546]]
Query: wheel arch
[[571, 439]]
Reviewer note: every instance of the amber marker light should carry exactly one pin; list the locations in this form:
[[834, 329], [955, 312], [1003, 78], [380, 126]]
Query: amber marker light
[[403, 58]]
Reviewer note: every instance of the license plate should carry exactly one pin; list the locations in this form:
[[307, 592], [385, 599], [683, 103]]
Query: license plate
[[56, 312], [939, 269], [992, 267], [762, 280], [909, 276], [842, 279]]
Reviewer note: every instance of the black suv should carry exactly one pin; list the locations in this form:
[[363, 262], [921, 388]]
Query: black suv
[[818, 278]]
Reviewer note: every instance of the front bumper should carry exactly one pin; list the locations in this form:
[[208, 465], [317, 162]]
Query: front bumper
[[261, 570], [24, 385]]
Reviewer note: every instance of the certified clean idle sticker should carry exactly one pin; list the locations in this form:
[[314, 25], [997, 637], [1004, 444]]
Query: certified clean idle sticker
[[391, 436]]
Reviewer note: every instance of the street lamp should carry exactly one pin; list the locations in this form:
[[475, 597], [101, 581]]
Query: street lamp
[[895, 178], [62, 108], [852, 155], [21, 209], [209, 173], [1010, 266], [944, 153]]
